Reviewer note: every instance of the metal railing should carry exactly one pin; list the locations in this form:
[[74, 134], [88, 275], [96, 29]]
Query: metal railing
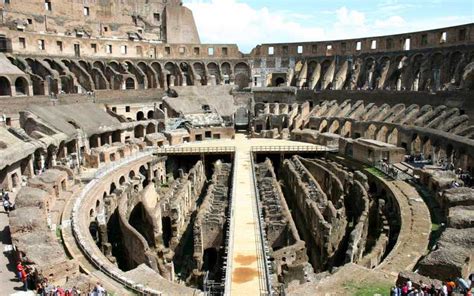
[[230, 242], [291, 149], [81, 237], [264, 249], [195, 150], [393, 172]]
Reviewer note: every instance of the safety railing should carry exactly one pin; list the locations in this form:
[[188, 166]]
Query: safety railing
[[195, 150], [231, 231], [291, 149], [263, 247], [81, 238]]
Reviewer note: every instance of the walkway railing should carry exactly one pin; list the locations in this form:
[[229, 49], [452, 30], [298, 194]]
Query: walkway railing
[[81, 238], [314, 148], [195, 150], [263, 247], [230, 233]]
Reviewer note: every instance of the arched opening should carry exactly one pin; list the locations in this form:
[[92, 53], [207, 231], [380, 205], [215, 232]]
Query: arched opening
[[129, 83], [21, 86], [382, 134], [5, 87], [140, 116], [150, 114], [210, 259], [323, 127], [144, 174], [139, 131], [112, 189], [393, 137], [370, 133], [131, 175], [334, 128], [167, 231], [150, 129], [142, 222], [346, 129], [280, 81], [415, 146], [15, 180], [116, 239], [122, 180], [242, 75]]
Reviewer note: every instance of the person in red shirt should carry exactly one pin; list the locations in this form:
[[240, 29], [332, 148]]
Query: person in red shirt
[[24, 279], [19, 269]]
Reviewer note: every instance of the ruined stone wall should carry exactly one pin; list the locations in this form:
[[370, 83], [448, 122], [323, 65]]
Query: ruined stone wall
[[324, 225], [208, 228], [180, 201], [137, 20], [288, 250]]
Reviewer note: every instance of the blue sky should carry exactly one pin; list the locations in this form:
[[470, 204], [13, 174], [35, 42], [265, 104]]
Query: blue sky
[[252, 22]]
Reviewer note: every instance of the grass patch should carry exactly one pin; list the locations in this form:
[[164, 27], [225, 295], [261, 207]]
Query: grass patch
[[376, 172], [367, 289]]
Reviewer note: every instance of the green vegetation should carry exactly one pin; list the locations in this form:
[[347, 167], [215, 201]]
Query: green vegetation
[[367, 289], [376, 172]]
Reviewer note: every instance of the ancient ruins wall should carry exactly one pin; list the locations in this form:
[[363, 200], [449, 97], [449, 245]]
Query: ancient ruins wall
[[289, 251], [324, 226], [212, 214]]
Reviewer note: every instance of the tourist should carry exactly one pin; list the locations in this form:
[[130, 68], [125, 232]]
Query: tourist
[[99, 290], [19, 269], [396, 291]]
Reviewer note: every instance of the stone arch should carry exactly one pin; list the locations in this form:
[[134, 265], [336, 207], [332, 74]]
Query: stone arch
[[172, 76], [122, 180], [150, 114], [159, 72], [100, 82], [427, 148], [415, 145], [371, 132], [139, 131], [5, 86], [346, 130], [200, 71], [323, 127], [324, 68], [382, 134], [242, 75], [393, 137], [21, 86], [131, 175], [280, 81], [213, 70], [335, 127], [130, 83], [143, 223], [187, 73], [144, 172], [226, 68], [112, 188], [140, 116], [150, 128], [99, 65], [149, 73]]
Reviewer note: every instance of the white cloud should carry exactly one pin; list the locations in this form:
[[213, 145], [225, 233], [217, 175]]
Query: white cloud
[[231, 21], [395, 21]]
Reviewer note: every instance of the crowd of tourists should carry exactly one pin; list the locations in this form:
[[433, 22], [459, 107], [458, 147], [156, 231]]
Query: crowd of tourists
[[41, 286], [452, 287]]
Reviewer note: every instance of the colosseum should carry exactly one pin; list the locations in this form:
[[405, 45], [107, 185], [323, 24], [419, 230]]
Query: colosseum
[[137, 160]]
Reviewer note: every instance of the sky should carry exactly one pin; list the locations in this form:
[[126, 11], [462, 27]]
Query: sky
[[251, 22]]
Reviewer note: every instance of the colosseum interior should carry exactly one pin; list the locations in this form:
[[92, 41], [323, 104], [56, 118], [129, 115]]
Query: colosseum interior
[[141, 159]]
